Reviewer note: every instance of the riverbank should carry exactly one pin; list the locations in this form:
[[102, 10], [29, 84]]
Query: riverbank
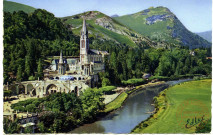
[[116, 103], [150, 84], [176, 105], [119, 100]]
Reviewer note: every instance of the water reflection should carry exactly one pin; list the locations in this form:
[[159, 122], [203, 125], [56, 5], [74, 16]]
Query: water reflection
[[89, 128]]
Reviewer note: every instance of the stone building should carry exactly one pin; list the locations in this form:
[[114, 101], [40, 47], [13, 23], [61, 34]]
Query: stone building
[[89, 63]]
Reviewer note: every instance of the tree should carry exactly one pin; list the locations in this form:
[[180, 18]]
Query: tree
[[27, 66], [40, 69], [105, 82], [31, 78], [28, 129], [91, 103], [57, 125], [11, 127], [41, 127], [31, 108], [19, 74]]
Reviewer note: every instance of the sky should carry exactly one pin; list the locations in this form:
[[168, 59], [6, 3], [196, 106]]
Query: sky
[[196, 15]]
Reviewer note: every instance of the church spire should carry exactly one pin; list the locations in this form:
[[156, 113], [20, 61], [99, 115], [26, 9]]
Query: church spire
[[84, 29], [61, 57]]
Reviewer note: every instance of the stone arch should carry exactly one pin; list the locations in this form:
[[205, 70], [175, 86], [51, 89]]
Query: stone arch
[[29, 88], [21, 89], [51, 88], [33, 92], [79, 78]]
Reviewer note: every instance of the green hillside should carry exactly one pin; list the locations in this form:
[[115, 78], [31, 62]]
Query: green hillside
[[9, 6], [104, 27], [160, 24]]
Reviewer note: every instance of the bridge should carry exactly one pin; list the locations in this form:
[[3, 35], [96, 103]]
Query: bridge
[[45, 87]]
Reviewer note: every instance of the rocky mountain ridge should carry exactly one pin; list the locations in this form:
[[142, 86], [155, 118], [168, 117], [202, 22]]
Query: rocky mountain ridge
[[105, 27], [153, 27], [160, 24]]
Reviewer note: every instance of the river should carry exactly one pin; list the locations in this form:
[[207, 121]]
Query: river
[[134, 110]]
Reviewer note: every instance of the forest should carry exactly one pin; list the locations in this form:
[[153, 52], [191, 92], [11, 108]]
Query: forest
[[131, 63], [29, 38]]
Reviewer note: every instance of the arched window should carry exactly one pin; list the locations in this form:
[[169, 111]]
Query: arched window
[[83, 43]]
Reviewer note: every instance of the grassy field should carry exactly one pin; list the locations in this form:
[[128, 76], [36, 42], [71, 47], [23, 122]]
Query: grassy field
[[177, 108], [116, 103], [9, 6], [118, 37]]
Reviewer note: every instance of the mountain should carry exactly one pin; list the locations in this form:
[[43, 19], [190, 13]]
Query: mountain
[[9, 6], [160, 24], [104, 27], [153, 27], [115, 15], [207, 35]]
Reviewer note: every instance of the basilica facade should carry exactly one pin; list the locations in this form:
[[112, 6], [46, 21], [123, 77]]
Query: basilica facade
[[88, 64]]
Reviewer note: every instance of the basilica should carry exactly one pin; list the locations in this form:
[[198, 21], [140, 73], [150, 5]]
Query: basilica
[[87, 65], [67, 74]]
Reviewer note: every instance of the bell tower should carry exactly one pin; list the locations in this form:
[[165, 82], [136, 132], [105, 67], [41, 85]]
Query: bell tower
[[84, 44], [84, 49]]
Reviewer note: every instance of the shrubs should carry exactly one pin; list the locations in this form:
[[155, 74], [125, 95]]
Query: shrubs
[[31, 78], [160, 78], [29, 105], [61, 112], [10, 127], [107, 89], [172, 77], [135, 81], [105, 82]]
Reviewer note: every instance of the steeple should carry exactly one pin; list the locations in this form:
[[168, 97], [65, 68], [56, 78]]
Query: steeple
[[61, 65], [61, 58], [84, 44], [84, 32]]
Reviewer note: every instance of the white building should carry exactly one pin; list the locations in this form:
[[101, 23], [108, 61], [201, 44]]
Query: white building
[[89, 63]]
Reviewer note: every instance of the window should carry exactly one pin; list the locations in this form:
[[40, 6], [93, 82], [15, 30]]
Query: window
[[83, 43]]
